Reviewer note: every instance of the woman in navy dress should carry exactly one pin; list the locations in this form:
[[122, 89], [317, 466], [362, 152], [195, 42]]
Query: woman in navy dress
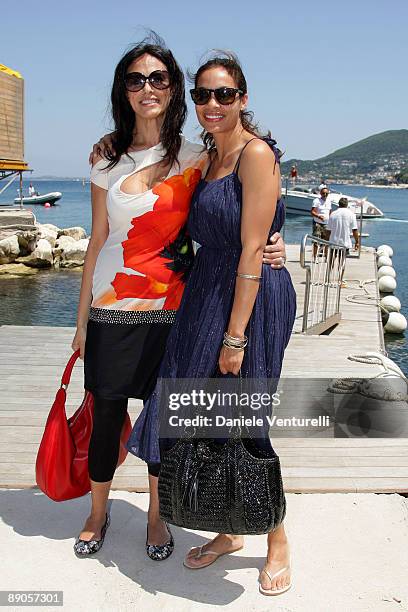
[[233, 209]]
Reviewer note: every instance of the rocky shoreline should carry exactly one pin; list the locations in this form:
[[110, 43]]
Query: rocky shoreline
[[42, 246]]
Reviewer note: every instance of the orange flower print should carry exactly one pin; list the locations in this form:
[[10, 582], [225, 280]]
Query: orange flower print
[[157, 245]]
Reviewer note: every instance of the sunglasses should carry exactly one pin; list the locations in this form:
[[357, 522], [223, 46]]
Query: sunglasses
[[223, 95], [135, 81]]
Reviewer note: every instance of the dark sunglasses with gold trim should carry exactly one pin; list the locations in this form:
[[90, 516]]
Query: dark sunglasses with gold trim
[[135, 81], [223, 95]]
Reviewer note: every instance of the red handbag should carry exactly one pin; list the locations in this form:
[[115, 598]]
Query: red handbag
[[61, 468]]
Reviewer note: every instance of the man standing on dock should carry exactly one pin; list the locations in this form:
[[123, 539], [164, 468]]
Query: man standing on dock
[[342, 223], [320, 212]]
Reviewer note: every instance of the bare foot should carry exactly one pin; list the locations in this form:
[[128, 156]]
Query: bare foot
[[221, 544], [278, 558], [92, 528], [158, 532]]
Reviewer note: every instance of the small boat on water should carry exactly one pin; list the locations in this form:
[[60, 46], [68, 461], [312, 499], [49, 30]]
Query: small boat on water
[[299, 201], [45, 198]]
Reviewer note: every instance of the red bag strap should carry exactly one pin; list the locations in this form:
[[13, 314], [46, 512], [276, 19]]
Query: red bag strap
[[66, 377]]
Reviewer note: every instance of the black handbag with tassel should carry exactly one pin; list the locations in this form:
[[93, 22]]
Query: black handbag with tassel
[[229, 487]]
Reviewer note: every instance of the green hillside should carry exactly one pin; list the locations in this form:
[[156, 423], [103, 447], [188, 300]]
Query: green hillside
[[380, 156]]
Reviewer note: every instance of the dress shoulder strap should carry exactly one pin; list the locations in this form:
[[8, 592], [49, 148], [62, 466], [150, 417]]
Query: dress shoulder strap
[[270, 142], [209, 165], [236, 167]]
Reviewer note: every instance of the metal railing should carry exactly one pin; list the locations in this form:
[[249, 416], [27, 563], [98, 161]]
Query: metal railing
[[360, 227], [324, 275]]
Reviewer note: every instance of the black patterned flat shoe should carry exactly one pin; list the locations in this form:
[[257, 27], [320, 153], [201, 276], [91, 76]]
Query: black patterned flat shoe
[[83, 548], [159, 552]]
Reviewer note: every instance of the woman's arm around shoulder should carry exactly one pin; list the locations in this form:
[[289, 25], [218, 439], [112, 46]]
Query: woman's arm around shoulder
[[103, 147]]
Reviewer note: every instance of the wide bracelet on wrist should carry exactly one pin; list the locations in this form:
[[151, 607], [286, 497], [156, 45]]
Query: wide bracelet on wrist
[[233, 342], [249, 276]]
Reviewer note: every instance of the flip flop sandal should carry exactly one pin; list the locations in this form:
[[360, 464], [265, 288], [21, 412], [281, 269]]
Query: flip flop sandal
[[271, 577], [201, 553]]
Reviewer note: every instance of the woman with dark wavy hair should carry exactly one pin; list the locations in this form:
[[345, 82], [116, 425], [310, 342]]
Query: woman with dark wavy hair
[[136, 265]]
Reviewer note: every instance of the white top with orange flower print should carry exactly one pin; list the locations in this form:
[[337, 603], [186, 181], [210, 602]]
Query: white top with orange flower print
[[141, 269]]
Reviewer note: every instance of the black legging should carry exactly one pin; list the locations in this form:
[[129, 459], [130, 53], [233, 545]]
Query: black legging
[[103, 453]]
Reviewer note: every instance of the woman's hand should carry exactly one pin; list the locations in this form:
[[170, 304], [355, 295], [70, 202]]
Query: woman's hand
[[79, 341], [102, 148], [275, 252], [230, 360]]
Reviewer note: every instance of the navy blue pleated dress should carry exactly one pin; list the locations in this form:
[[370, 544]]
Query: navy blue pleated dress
[[195, 341]]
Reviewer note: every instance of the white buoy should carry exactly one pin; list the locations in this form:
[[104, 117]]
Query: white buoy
[[384, 249], [391, 303], [387, 284], [386, 271], [396, 323], [384, 260]]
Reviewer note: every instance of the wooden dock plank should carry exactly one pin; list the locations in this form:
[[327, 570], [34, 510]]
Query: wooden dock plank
[[32, 360]]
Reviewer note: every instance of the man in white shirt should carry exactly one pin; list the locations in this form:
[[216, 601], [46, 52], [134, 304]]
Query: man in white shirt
[[320, 212], [341, 224]]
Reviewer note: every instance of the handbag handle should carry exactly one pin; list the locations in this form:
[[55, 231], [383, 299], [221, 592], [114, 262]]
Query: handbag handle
[[66, 377], [236, 430]]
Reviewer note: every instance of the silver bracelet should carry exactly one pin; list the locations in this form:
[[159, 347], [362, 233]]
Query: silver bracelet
[[235, 343], [232, 346], [249, 276], [227, 336]]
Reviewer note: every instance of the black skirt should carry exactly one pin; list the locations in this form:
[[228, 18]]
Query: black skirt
[[122, 360]]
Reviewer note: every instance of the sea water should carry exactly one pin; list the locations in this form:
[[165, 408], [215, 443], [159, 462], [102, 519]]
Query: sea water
[[50, 297]]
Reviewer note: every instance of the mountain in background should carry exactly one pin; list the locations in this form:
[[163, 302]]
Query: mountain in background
[[378, 159]]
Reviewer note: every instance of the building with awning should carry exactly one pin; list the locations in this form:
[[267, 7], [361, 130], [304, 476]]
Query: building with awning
[[12, 162]]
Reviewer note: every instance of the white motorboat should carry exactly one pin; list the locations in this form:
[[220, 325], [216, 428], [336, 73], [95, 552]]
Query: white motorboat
[[45, 198], [299, 201]]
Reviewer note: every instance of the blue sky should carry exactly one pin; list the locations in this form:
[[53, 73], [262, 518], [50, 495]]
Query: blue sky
[[321, 75]]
